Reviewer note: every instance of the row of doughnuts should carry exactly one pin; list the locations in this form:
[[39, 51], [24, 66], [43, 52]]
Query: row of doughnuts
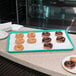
[[30, 35], [60, 38], [31, 39], [47, 34], [19, 41], [59, 34], [47, 40]]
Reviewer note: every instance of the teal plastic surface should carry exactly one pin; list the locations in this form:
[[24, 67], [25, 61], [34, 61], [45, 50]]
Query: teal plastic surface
[[14, 32]]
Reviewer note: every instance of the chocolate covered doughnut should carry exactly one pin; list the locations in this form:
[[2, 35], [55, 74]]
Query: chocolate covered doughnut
[[45, 34], [48, 46], [60, 39], [46, 39], [58, 33], [69, 64]]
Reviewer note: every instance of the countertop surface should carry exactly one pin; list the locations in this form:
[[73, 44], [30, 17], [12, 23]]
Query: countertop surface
[[47, 62]]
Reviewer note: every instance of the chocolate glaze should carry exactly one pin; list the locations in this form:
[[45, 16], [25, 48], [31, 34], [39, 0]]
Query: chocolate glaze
[[58, 32], [46, 39], [62, 39], [48, 45], [46, 34], [69, 64]]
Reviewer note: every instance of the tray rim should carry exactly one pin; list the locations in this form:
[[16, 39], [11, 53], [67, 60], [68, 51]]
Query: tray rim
[[45, 50]]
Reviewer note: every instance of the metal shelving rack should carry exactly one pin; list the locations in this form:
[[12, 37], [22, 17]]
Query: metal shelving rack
[[59, 14], [37, 12], [4, 10], [20, 10]]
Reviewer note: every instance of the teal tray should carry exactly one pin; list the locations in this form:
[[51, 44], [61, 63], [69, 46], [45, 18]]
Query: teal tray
[[37, 31]]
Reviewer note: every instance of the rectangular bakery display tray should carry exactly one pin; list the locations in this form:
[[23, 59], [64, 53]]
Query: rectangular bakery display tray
[[38, 46]]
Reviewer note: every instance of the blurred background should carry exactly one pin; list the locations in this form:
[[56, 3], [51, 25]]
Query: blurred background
[[45, 14]]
